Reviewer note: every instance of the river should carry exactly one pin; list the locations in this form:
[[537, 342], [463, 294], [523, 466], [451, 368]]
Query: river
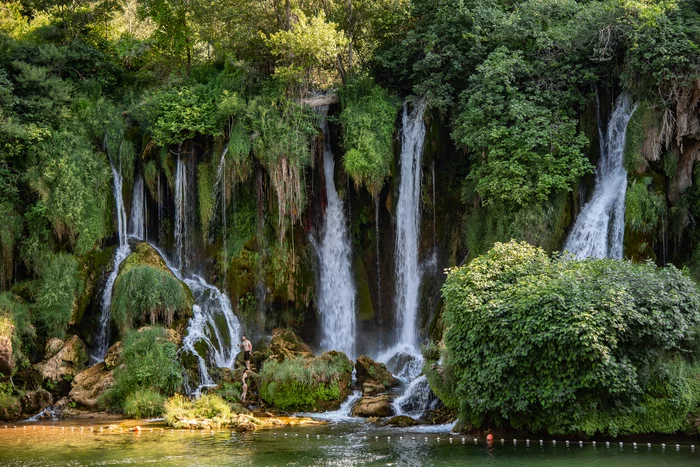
[[344, 443]]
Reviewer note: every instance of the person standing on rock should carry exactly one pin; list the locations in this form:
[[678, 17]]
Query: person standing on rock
[[247, 347], [244, 385]]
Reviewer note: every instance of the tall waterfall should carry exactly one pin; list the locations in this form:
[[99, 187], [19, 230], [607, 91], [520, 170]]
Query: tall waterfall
[[337, 285], [184, 211], [102, 338], [137, 219], [408, 274], [600, 227]]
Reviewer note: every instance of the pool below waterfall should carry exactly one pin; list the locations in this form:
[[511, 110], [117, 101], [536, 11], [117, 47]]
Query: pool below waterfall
[[343, 443]]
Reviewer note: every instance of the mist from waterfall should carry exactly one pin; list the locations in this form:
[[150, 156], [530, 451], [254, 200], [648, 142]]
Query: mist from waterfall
[[137, 219], [600, 227], [336, 282], [101, 343]]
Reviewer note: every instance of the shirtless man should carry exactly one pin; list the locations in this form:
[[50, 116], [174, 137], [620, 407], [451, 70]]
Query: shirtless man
[[245, 385], [247, 347]]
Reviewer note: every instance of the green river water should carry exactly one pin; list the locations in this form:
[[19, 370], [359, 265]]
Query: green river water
[[342, 444]]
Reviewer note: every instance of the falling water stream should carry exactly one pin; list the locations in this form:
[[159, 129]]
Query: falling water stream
[[101, 343], [600, 227], [137, 218], [337, 284]]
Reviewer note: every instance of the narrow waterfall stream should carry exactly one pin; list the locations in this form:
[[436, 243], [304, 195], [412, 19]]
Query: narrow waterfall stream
[[600, 227], [137, 218], [101, 343], [336, 282]]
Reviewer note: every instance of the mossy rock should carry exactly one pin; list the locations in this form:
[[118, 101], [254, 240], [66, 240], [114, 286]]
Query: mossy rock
[[10, 408], [364, 297], [147, 292], [90, 268]]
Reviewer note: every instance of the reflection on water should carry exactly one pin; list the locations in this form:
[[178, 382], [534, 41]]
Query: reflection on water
[[332, 444]]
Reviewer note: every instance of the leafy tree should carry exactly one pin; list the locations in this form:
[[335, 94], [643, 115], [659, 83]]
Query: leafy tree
[[570, 346]]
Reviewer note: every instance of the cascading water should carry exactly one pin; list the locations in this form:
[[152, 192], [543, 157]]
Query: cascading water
[[184, 211], [336, 282], [408, 274], [600, 227], [101, 343], [213, 323], [137, 219]]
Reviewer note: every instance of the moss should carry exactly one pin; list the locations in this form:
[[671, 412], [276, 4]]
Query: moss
[[305, 383], [364, 299], [147, 291], [90, 269], [640, 125], [206, 197], [10, 408]]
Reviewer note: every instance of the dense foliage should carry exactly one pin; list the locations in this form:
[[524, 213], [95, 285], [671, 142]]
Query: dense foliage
[[146, 294], [150, 372], [301, 383], [570, 346]]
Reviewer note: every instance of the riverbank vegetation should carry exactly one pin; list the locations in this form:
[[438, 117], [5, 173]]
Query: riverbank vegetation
[[549, 344], [213, 104]]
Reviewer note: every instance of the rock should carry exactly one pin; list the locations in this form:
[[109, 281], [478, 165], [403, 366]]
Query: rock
[[372, 387], [67, 363], [89, 385], [34, 402], [373, 376], [10, 408], [246, 425], [402, 421], [113, 357], [286, 344], [7, 363], [374, 406], [53, 346]]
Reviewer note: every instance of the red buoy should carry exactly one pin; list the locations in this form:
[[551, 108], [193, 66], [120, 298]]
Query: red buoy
[[489, 438]]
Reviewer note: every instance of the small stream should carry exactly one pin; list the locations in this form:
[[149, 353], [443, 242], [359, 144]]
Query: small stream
[[340, 443]]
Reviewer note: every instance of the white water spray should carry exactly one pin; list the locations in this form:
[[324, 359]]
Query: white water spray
[[102, 339], [336, 282], [137, 219], [600, 227]]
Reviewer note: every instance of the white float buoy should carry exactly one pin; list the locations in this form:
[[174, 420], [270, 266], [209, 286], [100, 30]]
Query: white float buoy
[[567, 443], [554, 442], [541, 442], [649, 445], [593, 443], [620, 444], [663, 446], [503, 440], [678, 447], [450, 440], [515, 441], [474, 440], [580, 443], [607, 444], [634, 445]]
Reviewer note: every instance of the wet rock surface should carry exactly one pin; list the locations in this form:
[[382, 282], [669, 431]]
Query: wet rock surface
[[66, 363], [374, 406], [6, 362], [285, 344], [89, 385], [35, 401], [373, 376], [402, 421]]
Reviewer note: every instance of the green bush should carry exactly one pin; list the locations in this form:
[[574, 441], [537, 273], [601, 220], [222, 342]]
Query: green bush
[[565, 346], [208, 406], [10, 407], [144, 403], [57, 294], [146, 294], [150, 365], [15, 323], [300, 383], [230, 392], [368, 116], [643, 206]]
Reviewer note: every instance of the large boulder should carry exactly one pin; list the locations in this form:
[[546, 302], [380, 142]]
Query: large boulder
[[402, 421], [113, 357], [68, 362], [373, 376], [285, 344], [89, 385], [7, 363], [34, 402], [374, 406]]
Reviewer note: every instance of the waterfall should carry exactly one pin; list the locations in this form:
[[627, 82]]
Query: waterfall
[[599, 229], [408, 274], [102, 338], [336, 282], [377, 237], [214, 324], [181, 232], [137, 219]]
